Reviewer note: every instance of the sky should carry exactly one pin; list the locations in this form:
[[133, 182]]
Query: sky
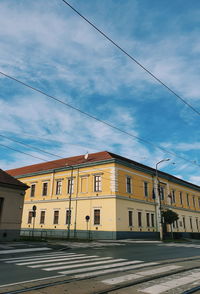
[[49, 47]]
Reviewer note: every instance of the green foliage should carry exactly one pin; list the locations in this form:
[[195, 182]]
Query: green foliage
[[169, 216]]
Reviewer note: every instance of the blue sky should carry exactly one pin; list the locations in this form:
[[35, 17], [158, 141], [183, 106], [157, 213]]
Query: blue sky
[[45, 44]]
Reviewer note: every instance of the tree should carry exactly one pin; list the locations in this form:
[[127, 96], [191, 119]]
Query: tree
[[170, 217]]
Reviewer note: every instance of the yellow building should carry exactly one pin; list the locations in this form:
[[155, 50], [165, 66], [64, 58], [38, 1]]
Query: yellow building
[[107, 196]]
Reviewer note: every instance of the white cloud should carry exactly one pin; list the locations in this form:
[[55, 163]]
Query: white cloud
[[59, 53], [195, 180]]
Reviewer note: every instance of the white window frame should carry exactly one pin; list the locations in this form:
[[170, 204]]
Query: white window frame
[[97, 183], [70, 185], [42, 223], [31, 189], [58, 187], [67, 215], [128, 184], [43, 188], [146, 189], [130, 212], [54, 216], [96, 208]]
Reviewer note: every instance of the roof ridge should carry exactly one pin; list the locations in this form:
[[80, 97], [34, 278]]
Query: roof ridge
[[58, 163]]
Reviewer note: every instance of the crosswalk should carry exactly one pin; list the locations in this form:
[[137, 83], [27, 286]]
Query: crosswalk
[[175, 284], [180, 245], [77, 265], [81, 266], [23, 250], [93, 245]]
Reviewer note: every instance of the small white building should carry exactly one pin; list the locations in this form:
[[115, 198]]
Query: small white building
[[12, 193]]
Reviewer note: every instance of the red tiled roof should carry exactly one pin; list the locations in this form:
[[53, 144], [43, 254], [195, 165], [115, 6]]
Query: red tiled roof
[[75, 160], [6, 179]]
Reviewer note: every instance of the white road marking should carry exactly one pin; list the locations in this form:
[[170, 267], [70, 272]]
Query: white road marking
[[162, 287], [83, 264], [181, 245], [31, 256], [43, 257], [47, 259], [83, 259], [119, 269], [99, 267], [93, 244], [130, 277], [24, 250], [30, 281]]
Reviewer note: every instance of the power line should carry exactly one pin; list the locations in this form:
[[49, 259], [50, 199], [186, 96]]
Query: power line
[[134, 59], [30, 146], [119, 181], [23, 152], [145, 141]]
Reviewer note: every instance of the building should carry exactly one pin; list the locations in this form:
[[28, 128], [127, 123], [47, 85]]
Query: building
[[105, 196], [12, 194]]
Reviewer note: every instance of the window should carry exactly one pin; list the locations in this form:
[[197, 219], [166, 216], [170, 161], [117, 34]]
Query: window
[[173, 199], [197, 223], [130, 218], [96, 216], [70, 186], [1, 205], [184, 222], [191, 223], [148, 219], [152, 220], [58, 187], [30, 215], [194, 204], [42, 217], [68, 216], [128, 184], [181, 198], [175, 224], [139, 219], [188, 200], [33, 190], [44, 189], [199, 201], [97, 183], [56, 217], [162, 193], [146, 194]]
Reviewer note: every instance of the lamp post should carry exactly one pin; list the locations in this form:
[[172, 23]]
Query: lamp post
[[70, 197], [70, 202], [158, 210]]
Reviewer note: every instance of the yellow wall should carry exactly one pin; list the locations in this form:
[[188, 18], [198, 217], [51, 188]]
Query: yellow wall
[[113, 200]]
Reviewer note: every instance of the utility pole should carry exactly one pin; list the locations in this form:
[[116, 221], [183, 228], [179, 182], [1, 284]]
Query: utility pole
[[158, 206]]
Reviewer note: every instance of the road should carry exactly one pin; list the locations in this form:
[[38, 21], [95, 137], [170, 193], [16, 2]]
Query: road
[[127, 266]]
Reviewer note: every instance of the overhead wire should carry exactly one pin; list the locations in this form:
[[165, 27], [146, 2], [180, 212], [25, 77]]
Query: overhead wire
[[97, 119], [23, 152], [97, 169], [133, 59], [30, 146], [82, 172]]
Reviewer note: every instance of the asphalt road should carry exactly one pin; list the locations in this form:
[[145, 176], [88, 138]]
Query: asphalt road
[[18, 267]]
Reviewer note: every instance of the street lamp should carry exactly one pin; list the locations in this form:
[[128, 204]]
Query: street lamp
[[70, 200], [70, 197], [158, 210]]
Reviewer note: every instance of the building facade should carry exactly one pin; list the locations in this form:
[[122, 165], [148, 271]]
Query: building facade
[[105, 196], [12, 194]]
